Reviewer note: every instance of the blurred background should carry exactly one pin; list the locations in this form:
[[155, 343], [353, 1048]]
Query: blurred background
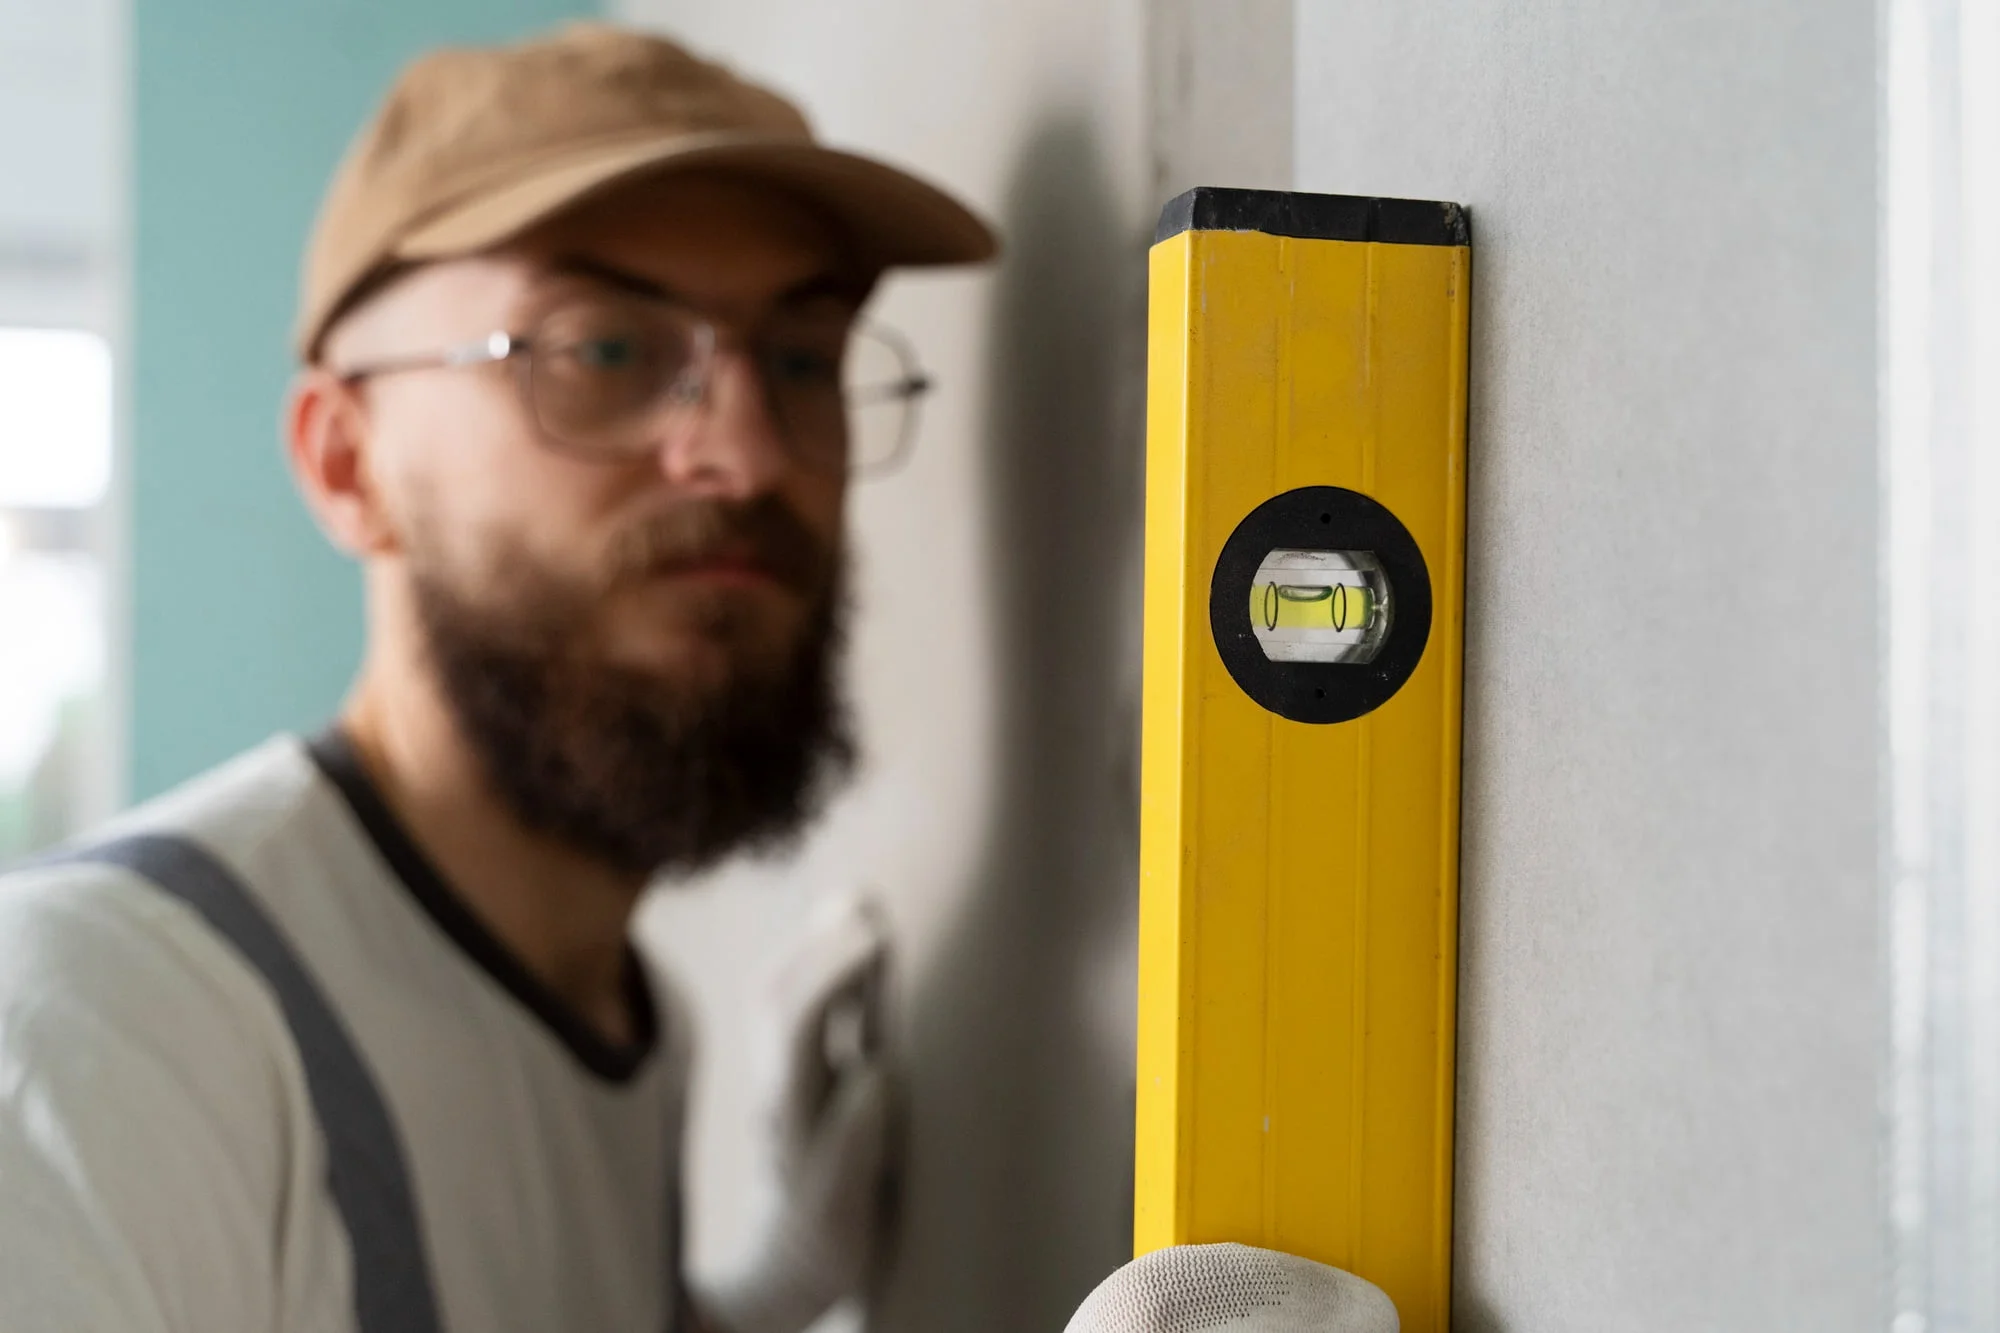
[[62, 307], [1731, 955], [165, 602]]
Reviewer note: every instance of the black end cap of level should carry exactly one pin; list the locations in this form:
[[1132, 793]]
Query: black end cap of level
[[1315, 217]]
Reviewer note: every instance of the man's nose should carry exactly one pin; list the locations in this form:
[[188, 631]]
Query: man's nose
[[732, 445]]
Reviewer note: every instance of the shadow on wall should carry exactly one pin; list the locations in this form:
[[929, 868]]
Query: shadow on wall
[[1471, 1313], [1018, 1198]]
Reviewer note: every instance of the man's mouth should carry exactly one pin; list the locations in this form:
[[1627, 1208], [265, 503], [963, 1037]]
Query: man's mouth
[[742, 573], [760, 544], [728, 568]]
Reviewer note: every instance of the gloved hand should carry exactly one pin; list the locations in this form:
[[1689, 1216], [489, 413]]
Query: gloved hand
[[824, 1099], [1232, 1289]]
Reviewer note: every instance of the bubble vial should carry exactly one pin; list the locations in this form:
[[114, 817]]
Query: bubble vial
[[1320, 606]]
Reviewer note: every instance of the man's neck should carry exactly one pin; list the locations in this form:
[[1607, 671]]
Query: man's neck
[[564, 915]]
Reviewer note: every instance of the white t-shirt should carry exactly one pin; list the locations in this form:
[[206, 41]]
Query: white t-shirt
[[162, 1168]]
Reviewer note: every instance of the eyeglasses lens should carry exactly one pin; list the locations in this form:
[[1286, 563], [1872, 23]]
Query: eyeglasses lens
[[881, 384], [600, 368], [603, 372]]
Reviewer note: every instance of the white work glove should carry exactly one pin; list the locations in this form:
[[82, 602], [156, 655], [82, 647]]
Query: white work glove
[[824, 1100], [1232, 1289]]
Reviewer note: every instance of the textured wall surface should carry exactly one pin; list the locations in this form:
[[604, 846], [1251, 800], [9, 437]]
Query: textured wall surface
[[995, 664], [1219, 94], [244, 620], [1672, 1009]]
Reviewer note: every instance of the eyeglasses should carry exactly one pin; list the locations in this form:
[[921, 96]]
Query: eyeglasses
[[613, 378]]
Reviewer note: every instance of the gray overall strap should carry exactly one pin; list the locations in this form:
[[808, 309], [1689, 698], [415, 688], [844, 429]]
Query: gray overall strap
[[365, 1170]]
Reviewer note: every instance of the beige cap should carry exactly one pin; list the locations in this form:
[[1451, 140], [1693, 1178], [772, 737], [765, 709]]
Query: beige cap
[[476, 144]]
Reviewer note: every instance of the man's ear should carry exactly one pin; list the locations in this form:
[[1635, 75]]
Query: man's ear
[[328, 442]]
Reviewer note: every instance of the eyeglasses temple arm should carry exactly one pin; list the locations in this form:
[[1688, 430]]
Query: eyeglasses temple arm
[[493, 347]]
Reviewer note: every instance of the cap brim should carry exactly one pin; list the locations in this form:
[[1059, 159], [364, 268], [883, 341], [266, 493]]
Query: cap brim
[[891, 217]]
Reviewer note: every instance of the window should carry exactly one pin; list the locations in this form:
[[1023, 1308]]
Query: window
[[60, 310], [55, 472], [55, 418]]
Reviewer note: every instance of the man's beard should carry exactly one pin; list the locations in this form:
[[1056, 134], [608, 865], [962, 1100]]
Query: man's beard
[[641, 769]]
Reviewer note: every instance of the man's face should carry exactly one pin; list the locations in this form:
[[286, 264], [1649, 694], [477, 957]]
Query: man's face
[[633, 614]]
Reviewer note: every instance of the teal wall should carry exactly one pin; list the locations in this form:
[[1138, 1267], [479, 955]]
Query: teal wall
[[244, 621]]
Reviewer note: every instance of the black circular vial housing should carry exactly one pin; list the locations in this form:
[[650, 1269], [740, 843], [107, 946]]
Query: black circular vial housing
[[1312, 519]]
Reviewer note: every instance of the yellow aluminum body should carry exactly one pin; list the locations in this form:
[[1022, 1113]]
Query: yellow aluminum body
[[1298, 901]]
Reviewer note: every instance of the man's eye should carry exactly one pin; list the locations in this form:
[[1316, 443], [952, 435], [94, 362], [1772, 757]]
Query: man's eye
[[612, 353], [801, 365]]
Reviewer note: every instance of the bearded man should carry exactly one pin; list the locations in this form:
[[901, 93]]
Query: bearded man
[[349, 1034]]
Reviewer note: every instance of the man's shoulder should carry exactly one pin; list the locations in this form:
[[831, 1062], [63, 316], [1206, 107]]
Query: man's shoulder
[[233, 808], [85, 936], [153, 1113], [93, 952]]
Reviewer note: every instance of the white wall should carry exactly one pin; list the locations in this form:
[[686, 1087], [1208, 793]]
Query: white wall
[[60, 210], [62, 266], [995, 662], [1673, 1006], [1219, 94], [1672, 1013]]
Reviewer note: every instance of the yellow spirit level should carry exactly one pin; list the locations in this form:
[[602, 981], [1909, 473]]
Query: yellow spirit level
[[1305, 557]]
